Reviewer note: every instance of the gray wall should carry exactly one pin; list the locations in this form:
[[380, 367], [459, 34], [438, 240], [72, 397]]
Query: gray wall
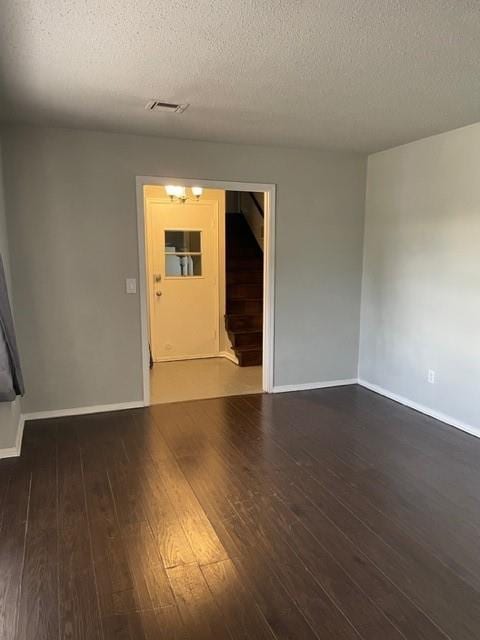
[[421, 283], [71, 195], [9, 412]]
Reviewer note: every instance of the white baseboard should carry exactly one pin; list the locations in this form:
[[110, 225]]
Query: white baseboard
[[229, 356], [219, 354], [11, 452], [14, 452], [453, 422], [202, 356], [80, 411], [305, 386]]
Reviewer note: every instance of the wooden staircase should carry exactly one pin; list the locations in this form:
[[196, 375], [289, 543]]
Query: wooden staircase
[[244, 299]]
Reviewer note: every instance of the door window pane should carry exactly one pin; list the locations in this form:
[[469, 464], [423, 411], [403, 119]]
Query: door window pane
[[183, 258], [183, 241]]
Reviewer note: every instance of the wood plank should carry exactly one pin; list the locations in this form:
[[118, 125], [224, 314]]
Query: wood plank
[[319, 607], [251, 562], [173, 544], [79, 614], [99, 440], [202, 537], [12, 547], [138, 625], [283, 616], [143, 439], [6, 468], [196, 605], [238, 608], [162, 624], [38, 612], [129, 571], [146, 565], [146, 447]]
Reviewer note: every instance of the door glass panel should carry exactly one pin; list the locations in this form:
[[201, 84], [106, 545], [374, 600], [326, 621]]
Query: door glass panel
[[183, 257], [183, 241]]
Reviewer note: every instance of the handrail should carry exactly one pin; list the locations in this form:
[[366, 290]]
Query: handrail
[[257, 204]]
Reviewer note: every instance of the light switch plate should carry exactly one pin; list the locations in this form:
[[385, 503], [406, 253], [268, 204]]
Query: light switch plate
[[131, 285]]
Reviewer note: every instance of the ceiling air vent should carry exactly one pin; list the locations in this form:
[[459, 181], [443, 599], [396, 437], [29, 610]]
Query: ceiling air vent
[[158, 105]]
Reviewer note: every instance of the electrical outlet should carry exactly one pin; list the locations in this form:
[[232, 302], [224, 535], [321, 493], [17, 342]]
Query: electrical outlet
[[431, 376]]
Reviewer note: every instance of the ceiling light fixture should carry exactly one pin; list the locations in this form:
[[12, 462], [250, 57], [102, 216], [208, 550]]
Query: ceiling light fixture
[[179, 194]]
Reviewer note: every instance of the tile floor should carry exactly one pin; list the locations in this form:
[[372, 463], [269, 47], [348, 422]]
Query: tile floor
[[203, 378]]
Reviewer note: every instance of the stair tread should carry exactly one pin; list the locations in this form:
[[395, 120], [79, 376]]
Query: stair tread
[[237, 323], [245, 330], [248, 347], [237, 316], [235, 271]]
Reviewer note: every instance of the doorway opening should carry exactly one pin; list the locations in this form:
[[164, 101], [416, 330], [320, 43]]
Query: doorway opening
[[206, 285]]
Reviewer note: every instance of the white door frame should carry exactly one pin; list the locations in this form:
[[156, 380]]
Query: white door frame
[[268, 269]]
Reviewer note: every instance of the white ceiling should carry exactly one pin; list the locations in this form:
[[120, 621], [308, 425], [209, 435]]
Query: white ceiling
[[359, 74]]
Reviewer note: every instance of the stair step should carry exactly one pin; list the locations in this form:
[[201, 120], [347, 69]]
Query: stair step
[[254, 276], [245, 251], [251, 338], [245, 307], [249, 357], [244, 264], [243, 322], [244, 291]]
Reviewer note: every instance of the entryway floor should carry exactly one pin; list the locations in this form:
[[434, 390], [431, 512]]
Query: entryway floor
[[203, 378]]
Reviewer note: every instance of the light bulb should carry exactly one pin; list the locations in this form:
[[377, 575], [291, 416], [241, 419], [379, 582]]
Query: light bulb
[[176, 191]]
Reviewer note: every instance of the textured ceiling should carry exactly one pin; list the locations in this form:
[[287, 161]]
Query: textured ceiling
[[359, 74]]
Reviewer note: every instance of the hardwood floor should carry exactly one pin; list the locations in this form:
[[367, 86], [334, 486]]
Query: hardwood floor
[[333, 514]]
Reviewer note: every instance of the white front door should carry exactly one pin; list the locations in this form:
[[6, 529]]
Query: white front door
[[183, 268]]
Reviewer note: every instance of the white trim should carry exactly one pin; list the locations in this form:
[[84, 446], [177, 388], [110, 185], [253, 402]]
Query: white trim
[[11, 452], [305, 386], [229, 356], [18, 443], [142, 273], [219, 354], [268, 271], [442, 417], [14, 452], [81, 411]]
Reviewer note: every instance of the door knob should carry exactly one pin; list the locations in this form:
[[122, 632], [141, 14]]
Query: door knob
[[158, 294]]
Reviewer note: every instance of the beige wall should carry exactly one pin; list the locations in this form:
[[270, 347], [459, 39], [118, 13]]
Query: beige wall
[[155, 191], [421, 285], [9, 411], [72, 214]]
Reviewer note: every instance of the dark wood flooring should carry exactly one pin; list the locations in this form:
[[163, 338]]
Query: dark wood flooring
[[332, 514]]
